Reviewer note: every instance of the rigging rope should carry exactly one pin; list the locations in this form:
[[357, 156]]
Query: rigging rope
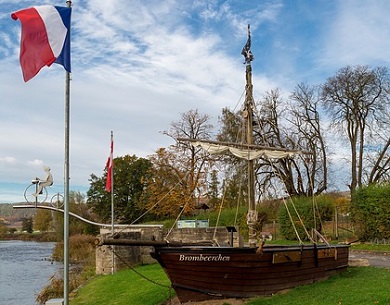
[[178, 183], [239, 197], [170, 293], [276, 170], [316, 211], [292, 222], [176, 220], [219, 212], [151, 208], [278, 173]]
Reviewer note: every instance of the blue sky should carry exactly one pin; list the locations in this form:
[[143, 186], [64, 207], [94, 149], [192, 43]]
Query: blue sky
[[137, 65]]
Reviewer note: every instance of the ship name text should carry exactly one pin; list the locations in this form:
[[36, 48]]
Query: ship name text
[[204, 258]]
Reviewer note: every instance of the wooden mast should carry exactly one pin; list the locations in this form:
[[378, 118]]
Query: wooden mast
[[248, 116]]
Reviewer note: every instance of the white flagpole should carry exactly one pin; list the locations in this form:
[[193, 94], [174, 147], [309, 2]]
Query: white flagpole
[[66, 188], [112, 198]]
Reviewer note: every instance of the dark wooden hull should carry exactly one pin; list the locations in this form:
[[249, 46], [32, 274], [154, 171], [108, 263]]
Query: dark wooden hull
[[204, 273]]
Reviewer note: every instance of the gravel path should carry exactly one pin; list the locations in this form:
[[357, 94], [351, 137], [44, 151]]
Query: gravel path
[[376, 259]]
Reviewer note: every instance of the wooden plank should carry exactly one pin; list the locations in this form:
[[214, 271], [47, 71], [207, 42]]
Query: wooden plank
[[286, 257], [326, 253]]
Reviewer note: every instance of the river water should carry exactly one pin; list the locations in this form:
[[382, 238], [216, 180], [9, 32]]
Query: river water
[[25, 268]]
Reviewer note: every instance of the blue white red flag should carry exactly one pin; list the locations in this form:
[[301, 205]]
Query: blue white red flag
[[45, 38]]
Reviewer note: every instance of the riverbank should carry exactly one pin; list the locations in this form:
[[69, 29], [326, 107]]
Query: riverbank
[[38, 237]]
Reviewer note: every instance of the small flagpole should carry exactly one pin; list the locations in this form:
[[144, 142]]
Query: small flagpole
[[112, 199], [66, 188]]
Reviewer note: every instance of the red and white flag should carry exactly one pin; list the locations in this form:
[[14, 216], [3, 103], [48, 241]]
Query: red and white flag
[[45, 38], [109, 166]]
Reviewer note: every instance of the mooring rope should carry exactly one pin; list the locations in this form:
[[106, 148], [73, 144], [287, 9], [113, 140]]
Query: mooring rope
[[143, 276]]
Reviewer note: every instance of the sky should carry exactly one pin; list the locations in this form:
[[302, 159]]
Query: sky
[[138, 65]]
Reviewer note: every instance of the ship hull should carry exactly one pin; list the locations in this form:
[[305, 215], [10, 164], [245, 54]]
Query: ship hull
[[204, 273]]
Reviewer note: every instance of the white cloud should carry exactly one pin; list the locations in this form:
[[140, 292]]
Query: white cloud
[[138, 65], [35, 162], [10, 160], [359, 34]]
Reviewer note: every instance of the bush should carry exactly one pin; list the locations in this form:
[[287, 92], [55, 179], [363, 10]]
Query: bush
[[305, 207], [370, 212], [82, 258], [81, 249]]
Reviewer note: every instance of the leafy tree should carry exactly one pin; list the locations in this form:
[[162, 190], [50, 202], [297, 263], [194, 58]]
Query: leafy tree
[[234, 169], [78, 206], [231, 127], [357, 100], [234, 192], [27, 224], [213, 193], [130, 179], [43, 220]]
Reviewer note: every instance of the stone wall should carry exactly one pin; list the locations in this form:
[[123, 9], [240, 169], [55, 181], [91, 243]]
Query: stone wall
[[220, 235], [125, 256], [122, 257]]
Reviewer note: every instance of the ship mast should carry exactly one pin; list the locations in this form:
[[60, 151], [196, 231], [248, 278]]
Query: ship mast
[[248, 116]]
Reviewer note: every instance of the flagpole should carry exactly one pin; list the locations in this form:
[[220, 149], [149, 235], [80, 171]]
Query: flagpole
[[66, 188], [112, 199]]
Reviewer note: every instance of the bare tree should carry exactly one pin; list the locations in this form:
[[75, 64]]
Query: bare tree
[[357, 99], [191, 160], [306, 120], [294, 125]]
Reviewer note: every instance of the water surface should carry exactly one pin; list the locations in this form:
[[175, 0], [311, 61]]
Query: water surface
[[25, 268]]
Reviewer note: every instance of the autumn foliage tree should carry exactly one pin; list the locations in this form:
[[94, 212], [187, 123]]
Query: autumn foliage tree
[[166, 190], [180, 172]]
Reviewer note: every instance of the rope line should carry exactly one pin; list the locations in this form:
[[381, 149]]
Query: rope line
[[138, 273]]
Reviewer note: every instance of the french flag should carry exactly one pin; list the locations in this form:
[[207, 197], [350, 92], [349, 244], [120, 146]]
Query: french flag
[[45, 38]]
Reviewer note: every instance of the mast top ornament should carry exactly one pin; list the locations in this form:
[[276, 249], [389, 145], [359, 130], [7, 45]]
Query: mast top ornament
[[246, 50]]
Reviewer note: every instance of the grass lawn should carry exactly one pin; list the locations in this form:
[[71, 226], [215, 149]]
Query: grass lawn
[[126, 287], [358, 285]]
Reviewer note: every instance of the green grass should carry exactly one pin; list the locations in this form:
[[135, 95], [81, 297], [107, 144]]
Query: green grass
[[358, 285], [126, 287], [371, 247]]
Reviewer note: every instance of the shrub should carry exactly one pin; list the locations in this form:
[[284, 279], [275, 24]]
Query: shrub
[[311, 212], [370, 212], [81, 249], [82, 258]]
